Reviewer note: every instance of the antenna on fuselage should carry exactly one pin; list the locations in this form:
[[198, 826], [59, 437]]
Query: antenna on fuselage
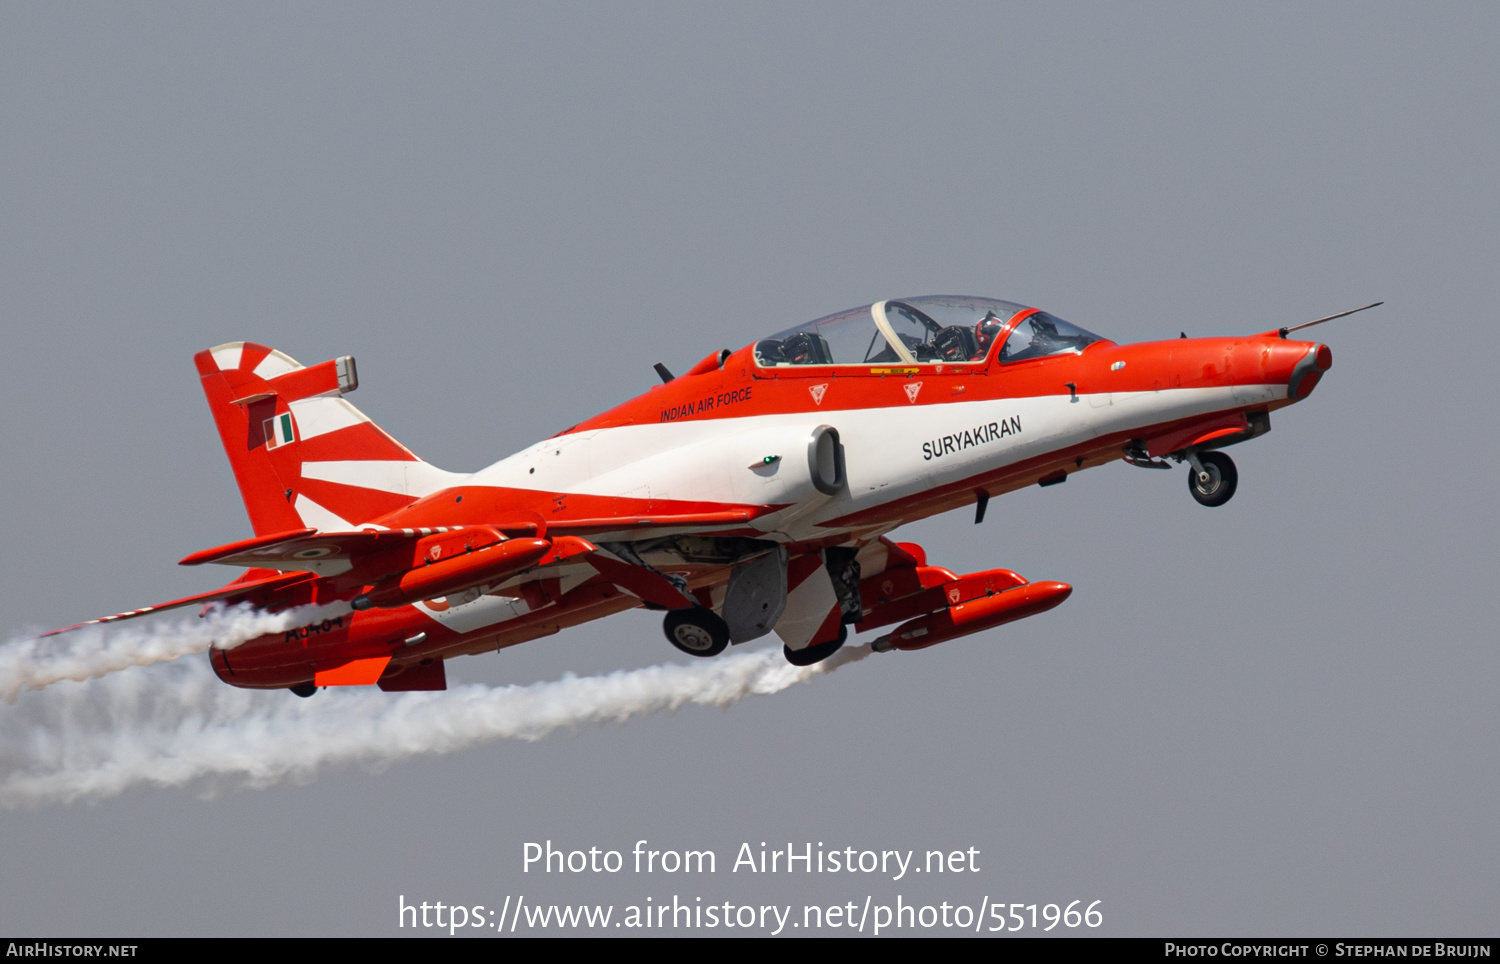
[[666, 376], [1283, 332]]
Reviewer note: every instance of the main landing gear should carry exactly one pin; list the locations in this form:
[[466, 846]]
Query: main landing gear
[[700, 632], [809, 655], [696, 631], [1212, 477], [304, 690]]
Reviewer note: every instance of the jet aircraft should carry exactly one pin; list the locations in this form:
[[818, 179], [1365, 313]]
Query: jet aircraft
[[753, 494]]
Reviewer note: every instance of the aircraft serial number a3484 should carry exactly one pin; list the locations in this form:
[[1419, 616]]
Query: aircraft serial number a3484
[[750, 495]]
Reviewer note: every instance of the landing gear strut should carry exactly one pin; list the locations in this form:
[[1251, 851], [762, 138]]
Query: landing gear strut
[[1212, 477], [696, 631], [809, 655]]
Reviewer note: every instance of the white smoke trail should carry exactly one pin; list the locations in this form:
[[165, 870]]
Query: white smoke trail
[[95, 651], [177, 725]]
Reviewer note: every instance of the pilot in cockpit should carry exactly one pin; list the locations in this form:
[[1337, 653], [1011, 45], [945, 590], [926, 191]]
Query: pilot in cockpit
[[984, 334]]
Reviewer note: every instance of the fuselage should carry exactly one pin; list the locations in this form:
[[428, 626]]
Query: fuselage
[[811, 453], [916, 443]]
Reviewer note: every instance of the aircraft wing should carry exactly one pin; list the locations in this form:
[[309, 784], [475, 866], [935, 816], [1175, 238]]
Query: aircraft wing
[[617, 523], [330, 553], [326, 553], [404, 565], [240, 587]]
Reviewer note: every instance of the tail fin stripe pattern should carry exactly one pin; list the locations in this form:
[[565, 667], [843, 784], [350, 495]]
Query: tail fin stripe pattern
[[362, 442], [321, 415], [251, 356], [358, 505], [251, 388], [227, 357], [412, 479], [275, 363], [320, 518]]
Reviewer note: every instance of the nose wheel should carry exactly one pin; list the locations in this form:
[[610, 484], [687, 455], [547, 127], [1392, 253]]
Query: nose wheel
[[1212, 478], [696, 631]]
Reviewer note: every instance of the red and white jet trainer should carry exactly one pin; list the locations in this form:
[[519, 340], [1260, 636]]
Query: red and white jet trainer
[[752, 494]]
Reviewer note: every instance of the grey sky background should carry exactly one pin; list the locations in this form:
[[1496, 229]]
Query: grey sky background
[[1273, 718]]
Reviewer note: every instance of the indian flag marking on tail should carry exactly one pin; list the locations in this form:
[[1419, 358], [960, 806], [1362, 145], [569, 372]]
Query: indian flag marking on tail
[[279, 430]]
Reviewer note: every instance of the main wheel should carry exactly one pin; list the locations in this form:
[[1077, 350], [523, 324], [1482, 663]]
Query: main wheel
[[816, 654], [304, 690], [1219, 487], [696, 631]]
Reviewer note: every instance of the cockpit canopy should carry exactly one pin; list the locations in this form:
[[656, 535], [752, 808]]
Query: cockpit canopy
[[936, 329]]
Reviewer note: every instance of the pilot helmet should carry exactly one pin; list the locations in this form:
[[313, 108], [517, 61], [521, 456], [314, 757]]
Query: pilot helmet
[[985, 332]]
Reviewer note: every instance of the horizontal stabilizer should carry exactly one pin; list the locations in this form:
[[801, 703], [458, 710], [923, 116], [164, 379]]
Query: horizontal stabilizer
[[401, 566], [236, 549]]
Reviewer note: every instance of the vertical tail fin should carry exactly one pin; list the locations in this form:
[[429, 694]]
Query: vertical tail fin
[[301, 454]]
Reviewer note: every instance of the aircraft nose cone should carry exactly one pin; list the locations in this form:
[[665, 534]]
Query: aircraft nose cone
[[1308, 371]]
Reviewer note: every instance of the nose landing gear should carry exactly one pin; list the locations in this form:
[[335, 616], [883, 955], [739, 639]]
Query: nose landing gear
[[1212, 477]]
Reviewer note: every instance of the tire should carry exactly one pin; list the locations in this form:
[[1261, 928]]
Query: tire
[[1222, 483], [304, 690], [816, 654], [696, 631]]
